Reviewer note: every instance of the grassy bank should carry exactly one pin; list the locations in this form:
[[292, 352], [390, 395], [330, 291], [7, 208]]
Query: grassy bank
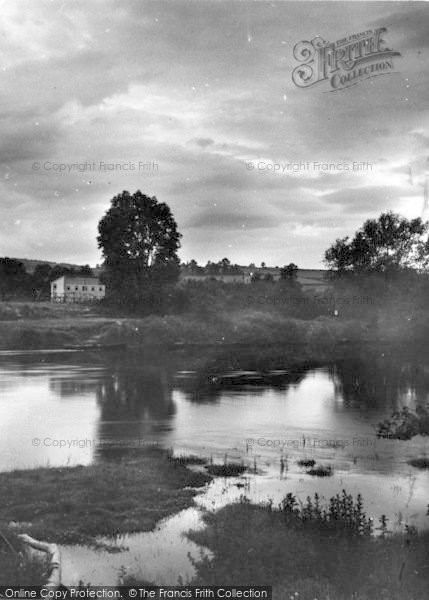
[[46, 325], [49, 325], [50, 333], [78, 504], [305, 555], [241, 327], [38, 326]]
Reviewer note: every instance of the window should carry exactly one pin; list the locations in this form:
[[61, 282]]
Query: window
[[68, 288], [100, 289], [76, 288], [55, 286], [93, 289], [84, 288]]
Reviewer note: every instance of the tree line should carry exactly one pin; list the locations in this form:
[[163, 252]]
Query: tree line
[[225, 267], [139, 240], [17, 283]]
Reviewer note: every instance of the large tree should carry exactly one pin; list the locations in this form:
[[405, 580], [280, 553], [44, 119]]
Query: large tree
[[389, 244], [139, 239]]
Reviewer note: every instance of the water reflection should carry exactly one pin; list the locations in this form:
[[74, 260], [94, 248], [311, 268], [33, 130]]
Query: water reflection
[[66, 410], [160, 556], [136, 408], [101, 406], [68, 386], [209, 384], [380, 379]]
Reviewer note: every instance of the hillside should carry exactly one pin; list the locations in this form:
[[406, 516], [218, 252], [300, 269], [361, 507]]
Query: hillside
[[30, 264]]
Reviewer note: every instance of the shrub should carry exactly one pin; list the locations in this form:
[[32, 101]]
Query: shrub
[[405, 424]]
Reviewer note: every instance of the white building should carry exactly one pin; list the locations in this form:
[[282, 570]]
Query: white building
[[71, 288]]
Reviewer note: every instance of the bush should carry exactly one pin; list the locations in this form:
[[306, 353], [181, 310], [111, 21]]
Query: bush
[[405, 424]]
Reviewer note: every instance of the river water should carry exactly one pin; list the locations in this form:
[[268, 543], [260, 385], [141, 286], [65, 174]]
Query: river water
[[75, 408]]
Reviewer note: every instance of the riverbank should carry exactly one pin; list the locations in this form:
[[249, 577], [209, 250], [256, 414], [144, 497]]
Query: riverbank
[[305, 556], [78, 505], [123, 365], [26, 326]]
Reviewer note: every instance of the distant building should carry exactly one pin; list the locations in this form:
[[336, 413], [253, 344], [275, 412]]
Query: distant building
[[315, 280], [72, 288]]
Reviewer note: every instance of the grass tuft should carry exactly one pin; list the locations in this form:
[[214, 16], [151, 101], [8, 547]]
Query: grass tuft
[[185, 459], [226, 470], [321, 471]]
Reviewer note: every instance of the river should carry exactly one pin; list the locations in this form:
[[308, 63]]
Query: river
[[68, 408]]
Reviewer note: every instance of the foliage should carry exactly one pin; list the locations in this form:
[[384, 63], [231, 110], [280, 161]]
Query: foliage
[[18, 284], [321, 471], [139, 239], [226, 470], [44, 273], [289, 271], [13, 278], [306, 462], [405, 424], [193, 268], [222, 267], [385, 245], [342, 512], [311, 550]]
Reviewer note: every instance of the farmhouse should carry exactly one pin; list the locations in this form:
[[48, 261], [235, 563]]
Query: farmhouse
[[72, 288]]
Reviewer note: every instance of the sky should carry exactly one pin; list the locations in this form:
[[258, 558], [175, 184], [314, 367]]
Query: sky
[[193, 102]]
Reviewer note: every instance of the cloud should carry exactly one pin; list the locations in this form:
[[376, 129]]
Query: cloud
[[199, 89], [202, 142]]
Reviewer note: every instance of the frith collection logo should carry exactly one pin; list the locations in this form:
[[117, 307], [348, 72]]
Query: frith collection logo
[[345, 62]]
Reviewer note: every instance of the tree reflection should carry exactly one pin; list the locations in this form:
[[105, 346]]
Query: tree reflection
[[136, 409], [208, 385], [382, 379]]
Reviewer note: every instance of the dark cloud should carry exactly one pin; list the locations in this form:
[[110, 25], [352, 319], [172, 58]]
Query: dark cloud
[[202, 89], [203, 142], [407, 25], [369, 201]]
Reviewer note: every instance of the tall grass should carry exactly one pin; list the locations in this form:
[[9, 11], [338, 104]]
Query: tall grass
[[312, 550]]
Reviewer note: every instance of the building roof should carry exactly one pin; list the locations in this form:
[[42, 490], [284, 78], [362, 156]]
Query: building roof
[[77, 280]]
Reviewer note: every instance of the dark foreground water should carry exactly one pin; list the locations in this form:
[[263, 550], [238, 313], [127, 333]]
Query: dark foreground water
[[75, 408]]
